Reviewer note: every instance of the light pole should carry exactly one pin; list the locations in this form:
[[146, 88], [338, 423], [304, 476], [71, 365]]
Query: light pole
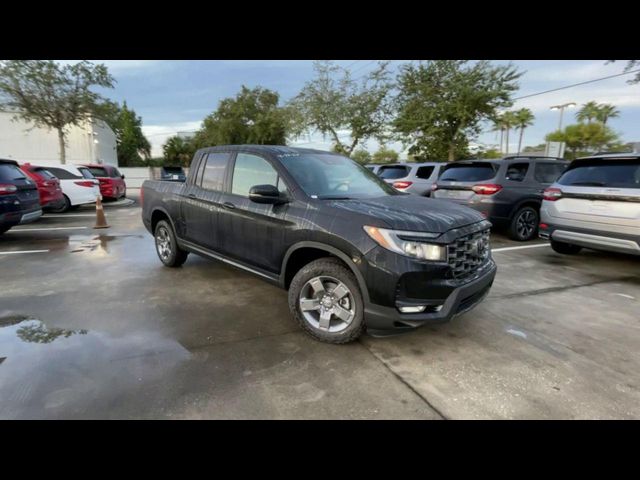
[[561, 108]]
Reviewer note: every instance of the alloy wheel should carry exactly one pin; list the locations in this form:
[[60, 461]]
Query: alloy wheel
[[327, 304], [163, 243]]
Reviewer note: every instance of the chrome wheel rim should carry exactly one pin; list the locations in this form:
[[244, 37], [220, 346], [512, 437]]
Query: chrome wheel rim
[[526, 224], [163, 243], [327, 304]]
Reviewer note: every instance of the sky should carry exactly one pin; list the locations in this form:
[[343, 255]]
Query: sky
[[175, 96]]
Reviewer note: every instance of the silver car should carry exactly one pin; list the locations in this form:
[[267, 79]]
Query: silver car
[[594, 204], [415, 178]]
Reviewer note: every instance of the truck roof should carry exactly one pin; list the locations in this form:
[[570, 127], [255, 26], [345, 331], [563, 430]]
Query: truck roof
[[273, 149]]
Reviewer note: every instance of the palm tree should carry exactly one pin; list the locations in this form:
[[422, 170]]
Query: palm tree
[[508, 122], [498, 126], [588, 112], [607, 111], [523, 118]]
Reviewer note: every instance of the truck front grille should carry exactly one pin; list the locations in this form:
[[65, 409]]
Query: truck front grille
[[468, 253]]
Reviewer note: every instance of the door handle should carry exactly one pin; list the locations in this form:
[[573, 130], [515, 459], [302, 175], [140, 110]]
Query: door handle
[[228, 205], [192, 195]]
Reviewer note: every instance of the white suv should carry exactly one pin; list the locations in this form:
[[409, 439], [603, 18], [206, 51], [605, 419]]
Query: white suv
[[594, 204], [78, 184]]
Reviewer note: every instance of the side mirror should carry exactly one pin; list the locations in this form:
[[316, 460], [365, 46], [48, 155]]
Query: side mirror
[[123, 176], [265, 194]]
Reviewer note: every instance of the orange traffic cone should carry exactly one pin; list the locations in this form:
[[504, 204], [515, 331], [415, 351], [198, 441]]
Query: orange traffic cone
[[101, 221]]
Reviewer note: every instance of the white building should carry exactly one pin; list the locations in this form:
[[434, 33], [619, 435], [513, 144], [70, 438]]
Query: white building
[[93, 142]]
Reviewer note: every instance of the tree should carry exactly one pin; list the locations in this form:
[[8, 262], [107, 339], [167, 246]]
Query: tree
[[523, 118], [509, 121], [631, 65], [498, 126], [588, 112], [442, 102], [361, 156], [133, 147], [585, 138], [492, 153], [607, 111], [385, 155], [52, 95], [251, 117], [333, 101], [178, 151]]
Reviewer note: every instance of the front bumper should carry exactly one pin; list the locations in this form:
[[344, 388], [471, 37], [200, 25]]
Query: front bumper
[[383, 320]]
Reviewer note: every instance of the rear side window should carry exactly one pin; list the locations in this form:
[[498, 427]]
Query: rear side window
[[9, 172], [46, 174], [86, 173], [391, 173], [605, 173], [516, 172], [214, 169], [98, 172], [474, 172], [62, 174], [251, 170], [548, 172], [424, 172]]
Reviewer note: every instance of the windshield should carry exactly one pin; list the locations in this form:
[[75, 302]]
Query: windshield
[[604, 173], [391, 173], [98, 172], [9, 172], [473, 172], [85, 172], [326, 175]]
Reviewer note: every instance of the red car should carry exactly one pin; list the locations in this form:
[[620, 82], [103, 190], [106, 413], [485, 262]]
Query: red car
[[111, 181], [51, 196]]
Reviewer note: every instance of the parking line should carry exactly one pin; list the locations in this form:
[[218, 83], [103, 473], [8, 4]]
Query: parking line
[[43, 229], [69, 216], [505, 249], [24, 251]]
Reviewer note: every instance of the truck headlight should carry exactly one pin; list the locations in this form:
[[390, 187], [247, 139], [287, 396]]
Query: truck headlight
[[398, 242]]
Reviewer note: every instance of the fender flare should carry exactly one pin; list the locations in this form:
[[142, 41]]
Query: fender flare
[[333, 251], [163, 210]]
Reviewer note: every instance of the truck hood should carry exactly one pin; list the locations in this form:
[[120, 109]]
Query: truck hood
[[412, 213]]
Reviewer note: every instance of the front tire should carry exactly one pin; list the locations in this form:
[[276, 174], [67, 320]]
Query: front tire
[[565, 248], [325, 299], [169, 253], [524, 224]]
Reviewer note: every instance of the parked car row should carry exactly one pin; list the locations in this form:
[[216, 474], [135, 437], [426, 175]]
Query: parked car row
[[507, 192], [27, 190]]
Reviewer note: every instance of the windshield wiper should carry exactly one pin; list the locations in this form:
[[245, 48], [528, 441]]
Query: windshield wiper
[[333, 197], [589, 184]]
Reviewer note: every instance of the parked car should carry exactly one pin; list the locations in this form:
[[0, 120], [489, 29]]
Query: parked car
[[415, 178], [507, 192], [172, 174], [78, 184], [51, 197], [19, 199], [595, 204], [112, 183], [353, 252]]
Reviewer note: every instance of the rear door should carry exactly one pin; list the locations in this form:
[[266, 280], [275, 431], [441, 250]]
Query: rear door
[[200, 205], [393, 173], [601, 194], [457, 180], [250, 232]]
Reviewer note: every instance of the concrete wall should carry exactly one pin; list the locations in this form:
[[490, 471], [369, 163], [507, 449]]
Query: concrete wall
[[135, 176], [93, 142]]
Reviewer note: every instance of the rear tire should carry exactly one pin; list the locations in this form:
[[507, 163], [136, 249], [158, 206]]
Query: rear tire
[[333, 305], [169, 253], [64, 208], [565, 248], [524, 224]]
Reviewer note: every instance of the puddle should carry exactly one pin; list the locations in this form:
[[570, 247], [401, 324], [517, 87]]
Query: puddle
[[97, 244], [50, 371]]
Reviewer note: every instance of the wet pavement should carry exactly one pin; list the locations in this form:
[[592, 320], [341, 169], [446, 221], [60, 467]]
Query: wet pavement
[[92, 326]]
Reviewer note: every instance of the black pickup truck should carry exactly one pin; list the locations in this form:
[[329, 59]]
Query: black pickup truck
[[353, 252]]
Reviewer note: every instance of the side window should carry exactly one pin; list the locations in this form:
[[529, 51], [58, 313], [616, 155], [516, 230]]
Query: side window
[[62, 174], [517, 171], [424, 172], [213, 175], [197, 175], [548, 172], [251, 170]]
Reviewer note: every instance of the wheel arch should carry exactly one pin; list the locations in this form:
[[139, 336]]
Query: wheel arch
[[290, 266], [157, 214], [526, 202]]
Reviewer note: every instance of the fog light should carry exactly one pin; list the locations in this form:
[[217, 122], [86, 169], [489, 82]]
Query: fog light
[[413, 309]]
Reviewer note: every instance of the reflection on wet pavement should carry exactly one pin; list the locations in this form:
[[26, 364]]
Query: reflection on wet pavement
[[98, 243], [52, 372]]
